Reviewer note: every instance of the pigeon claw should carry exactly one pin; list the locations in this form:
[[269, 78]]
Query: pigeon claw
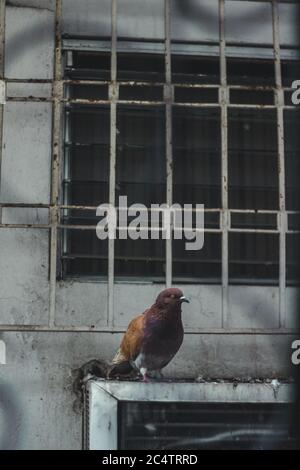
[[144, 374]]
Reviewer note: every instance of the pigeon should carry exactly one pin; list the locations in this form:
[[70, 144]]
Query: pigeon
[[153, 338]]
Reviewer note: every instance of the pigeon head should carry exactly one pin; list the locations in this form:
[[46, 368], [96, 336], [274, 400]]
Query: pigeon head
[[171, 297]]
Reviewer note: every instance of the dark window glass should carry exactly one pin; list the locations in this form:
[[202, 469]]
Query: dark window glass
[[141, 167], [140, 259], [249, 220], [85, 184], [292, 157], [187, 426], [85, 254], [253, 257], [252, 159], [292, 258], [250, 71], [204, 264], [193, 69], [89, 65], [87, 156], [197, 156], [141, 67], [141, 93], [253, 181], [290, 71], [88, 92], [196, 95], [251, 97]]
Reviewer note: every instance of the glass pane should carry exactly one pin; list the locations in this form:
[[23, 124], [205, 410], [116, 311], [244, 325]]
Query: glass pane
[[252, 155], [88, 65], [253, 257], [251, 97], [86, 92], [196, 95], [290, 70], [86, 183], [87, 156], [141, 67], [292, 160], [195, 69], [261, 221], [162, 426], [250, 72], [197, 156], [84, 253], [141, 167], [204, 264], [140, 259], [89, 125], [292, 258], [141, 93]]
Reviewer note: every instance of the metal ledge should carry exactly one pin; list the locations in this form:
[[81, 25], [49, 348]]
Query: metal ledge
[[171, 391]]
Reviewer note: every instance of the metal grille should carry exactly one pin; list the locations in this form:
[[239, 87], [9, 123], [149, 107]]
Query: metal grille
[[229, 102]]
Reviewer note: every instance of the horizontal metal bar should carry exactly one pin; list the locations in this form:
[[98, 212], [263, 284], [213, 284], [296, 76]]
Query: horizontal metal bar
[[193, 209], [104, 329], [149, 84], [92, 102], [253, 230], [132, 83], [92, 227], [253, 211], [205, 209], [141, 102]]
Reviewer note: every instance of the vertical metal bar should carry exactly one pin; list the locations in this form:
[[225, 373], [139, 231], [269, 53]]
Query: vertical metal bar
[[113, 91], [282, 226], [224, 170], [2, 59], [57, 95], [2, 37], [168, 97]]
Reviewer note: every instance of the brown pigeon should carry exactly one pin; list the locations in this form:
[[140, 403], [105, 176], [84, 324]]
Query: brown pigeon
[[153, 338]]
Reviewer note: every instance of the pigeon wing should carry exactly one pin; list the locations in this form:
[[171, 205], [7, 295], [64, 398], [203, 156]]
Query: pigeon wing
[[131, 342]]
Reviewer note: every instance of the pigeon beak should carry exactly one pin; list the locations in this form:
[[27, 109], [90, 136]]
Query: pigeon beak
[[184, 299]]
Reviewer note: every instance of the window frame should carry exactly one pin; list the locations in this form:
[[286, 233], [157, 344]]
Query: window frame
[[102, 399], [222, 50]]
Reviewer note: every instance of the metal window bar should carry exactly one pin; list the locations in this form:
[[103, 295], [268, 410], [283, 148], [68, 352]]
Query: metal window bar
[[223, 97], [2, 54], [282, 218], [168, 92], [57, 95], [54, 207], [113, 92]]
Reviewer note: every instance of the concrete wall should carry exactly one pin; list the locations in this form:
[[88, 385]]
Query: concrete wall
[[36, 397]]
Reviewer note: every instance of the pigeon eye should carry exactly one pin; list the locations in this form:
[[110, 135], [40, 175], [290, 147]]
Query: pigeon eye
[[172, 296]]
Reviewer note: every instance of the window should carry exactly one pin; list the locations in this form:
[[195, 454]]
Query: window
[[222, 110], [161, 416]]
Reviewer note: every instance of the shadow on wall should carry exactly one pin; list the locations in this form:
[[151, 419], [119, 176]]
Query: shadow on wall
[[193, 10], [10, 417], [189, 9]]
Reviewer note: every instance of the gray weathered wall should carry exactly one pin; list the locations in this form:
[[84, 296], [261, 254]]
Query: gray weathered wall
[[36, 398]]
